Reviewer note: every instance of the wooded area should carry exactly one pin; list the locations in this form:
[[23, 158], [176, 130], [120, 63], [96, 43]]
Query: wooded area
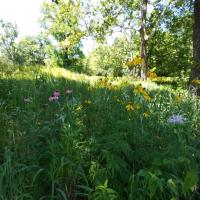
[[120, 122]]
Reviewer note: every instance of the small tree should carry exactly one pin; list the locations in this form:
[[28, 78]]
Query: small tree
[[8, 35], [32, 50], [61, 20]]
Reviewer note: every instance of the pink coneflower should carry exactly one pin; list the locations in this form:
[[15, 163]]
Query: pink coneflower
[[56, 94], [68, 91], [53, 98]]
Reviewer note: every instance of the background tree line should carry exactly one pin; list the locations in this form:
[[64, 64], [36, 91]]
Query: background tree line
[[166, 36]]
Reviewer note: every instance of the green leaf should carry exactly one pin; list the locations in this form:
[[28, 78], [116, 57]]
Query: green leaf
[[154, 185], [190, 181], [172, 186]]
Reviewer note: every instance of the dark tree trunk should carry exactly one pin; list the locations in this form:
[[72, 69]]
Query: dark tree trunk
[[195, 72], [144, 39], [66, 58]]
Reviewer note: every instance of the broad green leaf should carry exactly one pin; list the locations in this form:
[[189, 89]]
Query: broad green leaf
[[190, 181], [172, 186]]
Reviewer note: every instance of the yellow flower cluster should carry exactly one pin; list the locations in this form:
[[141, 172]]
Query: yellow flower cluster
[[196, 82], [104, 82], [151, 75], [131, 106], [177, 99], [146, 114], [140, 90], [132, 63]]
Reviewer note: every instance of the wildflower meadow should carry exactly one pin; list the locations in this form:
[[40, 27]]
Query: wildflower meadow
[[73, 137], [100, 100]]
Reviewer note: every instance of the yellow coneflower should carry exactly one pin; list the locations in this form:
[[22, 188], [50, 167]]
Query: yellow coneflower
[[196, 81], [129, 107], [144, 92], [151, 75], [146, 114], [147, 98], [108, 85], [139, 89], [177, 99], [79, 108]]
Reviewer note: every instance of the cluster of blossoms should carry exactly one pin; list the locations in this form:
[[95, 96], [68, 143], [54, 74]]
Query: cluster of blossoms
[[104, 82], [146, 114], [140, 90], [151, 74], [196, 82], [131, 106], [54, 96], [177, 119], [132, 63]]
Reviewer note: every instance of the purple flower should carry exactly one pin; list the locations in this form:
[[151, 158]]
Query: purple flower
[[176, 119], [56, 94]]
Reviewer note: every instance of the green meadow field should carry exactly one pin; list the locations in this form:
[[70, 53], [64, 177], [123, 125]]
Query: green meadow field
[[71, 136]]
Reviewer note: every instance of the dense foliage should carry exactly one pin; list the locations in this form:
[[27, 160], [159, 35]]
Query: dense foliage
[[110, 59], [62, 22], [32, 50], [102, 139], [170, 47], [85, 127], [8, 35]]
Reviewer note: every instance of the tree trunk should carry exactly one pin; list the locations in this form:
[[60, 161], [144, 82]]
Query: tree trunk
[[195, 71], [66, 58], [144, 39]]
